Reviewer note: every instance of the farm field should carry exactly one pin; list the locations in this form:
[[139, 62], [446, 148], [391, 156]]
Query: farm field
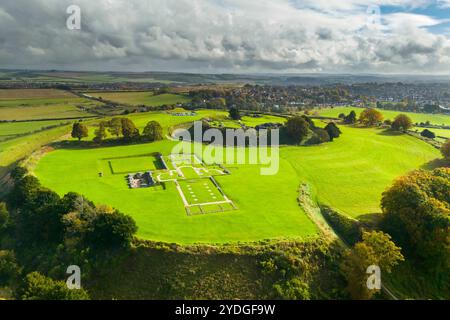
[[33, 104], [438, 132], [349, 175], [248, 121], [141, 98], [10, 129], [436, 119]]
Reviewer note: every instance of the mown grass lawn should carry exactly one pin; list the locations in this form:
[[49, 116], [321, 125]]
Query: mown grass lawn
[[351, 173], [348, 174], [267, 204]]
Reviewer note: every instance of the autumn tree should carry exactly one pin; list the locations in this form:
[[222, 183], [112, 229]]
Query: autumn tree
[[153, 131], [402, 123], [79, 131], [297, 128], [129, 130], [370, 117], [375, 249], [115, 126], [100, 133], [445, 150], [417, 216]]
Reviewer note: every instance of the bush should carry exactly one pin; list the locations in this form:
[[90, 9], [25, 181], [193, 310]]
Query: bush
[[445, 150], [4, 216], [9, 268], [402, 123], [39, 287], [333, 131], [416, 214], [111, 230], [348, 229], [428, 134]]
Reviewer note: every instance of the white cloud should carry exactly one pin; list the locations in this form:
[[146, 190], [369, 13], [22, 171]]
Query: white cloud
[[224, 36]]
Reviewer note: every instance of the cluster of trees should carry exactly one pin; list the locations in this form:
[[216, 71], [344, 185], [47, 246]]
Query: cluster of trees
[[375, 249], [417, 216], [45, 227], [118, 127], [402, 123], [301, 127], [445, 150], [428, 134], [370, 117]]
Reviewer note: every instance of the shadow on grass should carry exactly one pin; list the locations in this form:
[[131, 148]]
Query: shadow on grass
[[83, 145], [371, 220], [436, 163], [390, 133]]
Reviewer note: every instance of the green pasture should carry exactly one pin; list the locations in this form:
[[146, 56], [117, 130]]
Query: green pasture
[[348, 174], [141, 98], [437, 119]]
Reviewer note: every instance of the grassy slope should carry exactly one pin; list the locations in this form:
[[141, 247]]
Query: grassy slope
[[155, 274], [437, 119], [351, 173]]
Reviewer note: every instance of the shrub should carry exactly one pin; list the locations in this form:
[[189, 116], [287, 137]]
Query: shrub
[[39, 287], [428, 134], [445, 150], [402, 123]]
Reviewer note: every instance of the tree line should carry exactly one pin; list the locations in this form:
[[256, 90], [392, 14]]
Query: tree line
[[119, 128], [43, 233]]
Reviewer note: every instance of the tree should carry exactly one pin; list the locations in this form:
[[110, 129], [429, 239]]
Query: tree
[[417, 216], [79, 131], [297, 128], [129, 130], [351, 118], [333, 130], [376, 248], [100, 133], [321, 136], [370, 117], [115, 126], [9, 268], [428, 134], [234, 113], [39, 287], [111, 230], [445, 150], [4, 216], [402, 123], [18, 173], [153, 131]]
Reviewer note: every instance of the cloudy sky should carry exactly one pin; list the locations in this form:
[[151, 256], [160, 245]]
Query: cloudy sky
[[235, 36]]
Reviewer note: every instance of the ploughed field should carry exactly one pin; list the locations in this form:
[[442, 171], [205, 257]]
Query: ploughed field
[[348, 174]]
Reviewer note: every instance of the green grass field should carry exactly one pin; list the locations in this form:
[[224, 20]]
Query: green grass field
[[32, 104], [12, 129], [160, 214], [141, 98], [437, 119]]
